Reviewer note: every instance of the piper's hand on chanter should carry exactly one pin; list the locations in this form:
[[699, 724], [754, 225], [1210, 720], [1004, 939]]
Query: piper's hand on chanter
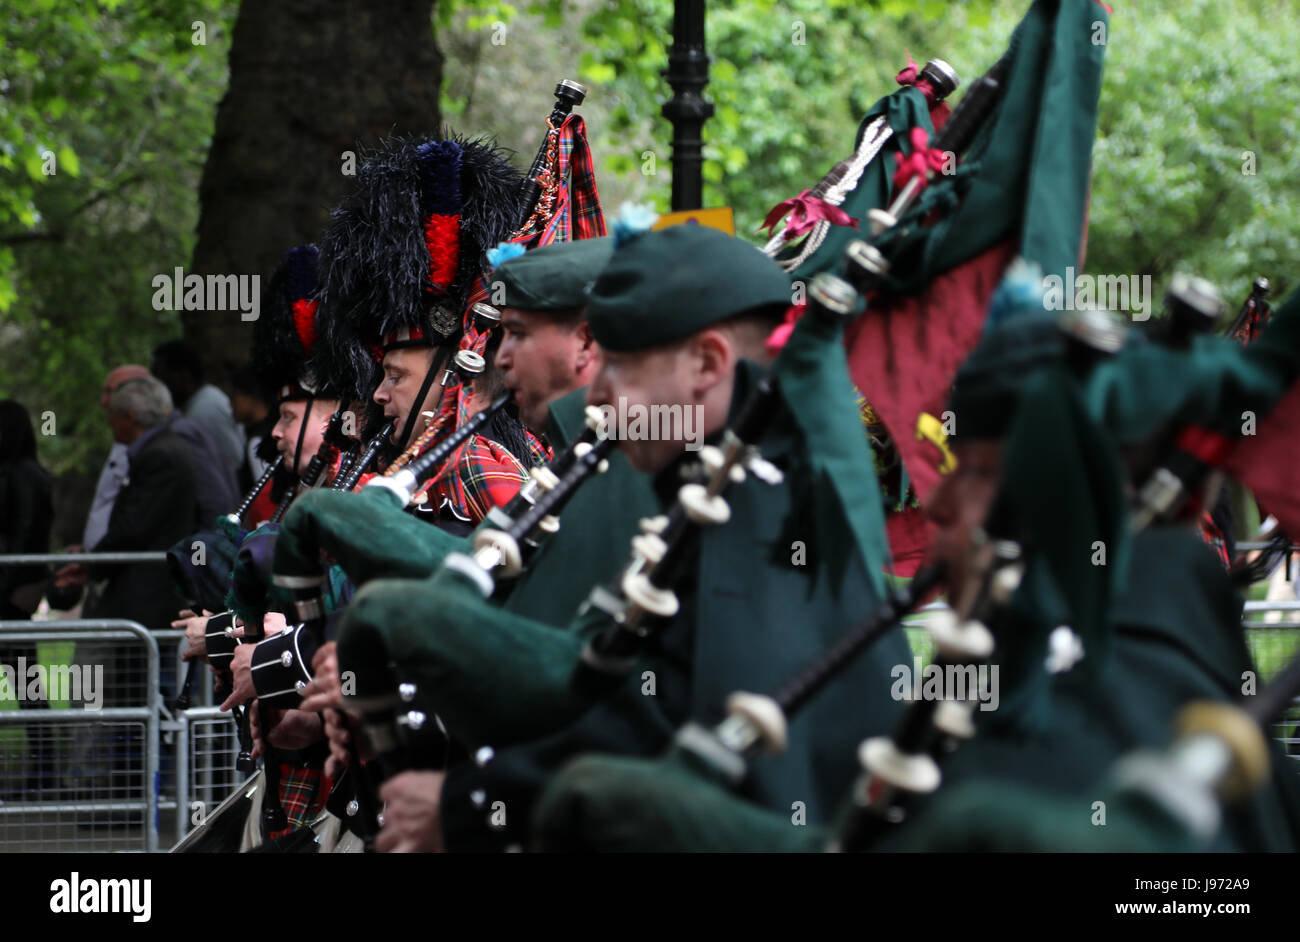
[[324, 692], [290, 729], [342, 728], [196, 626], [242, 689], [412, 814]]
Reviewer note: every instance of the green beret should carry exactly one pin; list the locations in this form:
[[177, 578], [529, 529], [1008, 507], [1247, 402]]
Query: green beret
[[666, 285], [554, 277], [988, 384]]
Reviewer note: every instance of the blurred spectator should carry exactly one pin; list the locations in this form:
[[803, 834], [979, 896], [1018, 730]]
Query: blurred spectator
[[180, 368], [251, 404], [26, 512], [110, 478], [156, 506], [218, 489]]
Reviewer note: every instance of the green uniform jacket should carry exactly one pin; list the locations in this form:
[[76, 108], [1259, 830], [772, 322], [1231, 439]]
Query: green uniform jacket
[[752, 616], [596, 528], [1178, 639], [1020, 785]]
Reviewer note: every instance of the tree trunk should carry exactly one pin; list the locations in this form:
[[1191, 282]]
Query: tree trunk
[[310, 80]]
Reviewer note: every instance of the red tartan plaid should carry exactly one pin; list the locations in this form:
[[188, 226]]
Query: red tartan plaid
[[577, 213], [486, 476], [539, 453], [303, 791], [583, 218]]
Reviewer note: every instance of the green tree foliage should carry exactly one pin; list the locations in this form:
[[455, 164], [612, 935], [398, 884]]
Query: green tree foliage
[[125, 100], [1192, 90]]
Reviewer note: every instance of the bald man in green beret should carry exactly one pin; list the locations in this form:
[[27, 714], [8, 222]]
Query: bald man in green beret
[[672, 313]]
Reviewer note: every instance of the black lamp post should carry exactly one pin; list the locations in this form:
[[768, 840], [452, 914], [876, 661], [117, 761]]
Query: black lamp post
[[688, 73]]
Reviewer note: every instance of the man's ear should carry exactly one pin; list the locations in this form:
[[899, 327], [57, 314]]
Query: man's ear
[[586, 352], [714, 357]]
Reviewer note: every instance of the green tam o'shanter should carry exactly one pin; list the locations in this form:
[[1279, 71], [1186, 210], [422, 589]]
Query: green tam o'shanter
[[555, 277], [663, 286], [988, 385]]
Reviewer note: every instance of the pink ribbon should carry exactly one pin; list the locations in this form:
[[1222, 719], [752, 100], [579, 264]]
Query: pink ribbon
[[806, 211], [781, 333], [908, 76], [919, 162]]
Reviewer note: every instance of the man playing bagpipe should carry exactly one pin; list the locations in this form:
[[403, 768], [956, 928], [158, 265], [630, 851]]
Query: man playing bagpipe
[[1030, 443], [671, 313]]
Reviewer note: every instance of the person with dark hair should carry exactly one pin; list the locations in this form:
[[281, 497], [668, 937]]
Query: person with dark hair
[[180, 368], [250, 404], [26, 511]]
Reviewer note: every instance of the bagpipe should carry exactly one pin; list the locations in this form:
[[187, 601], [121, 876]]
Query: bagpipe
[[1220, 757], [502, 550], [220, 830], [644, 598], [905, 763], [840, 181], [539, 193], [282, 663], [404, 731]]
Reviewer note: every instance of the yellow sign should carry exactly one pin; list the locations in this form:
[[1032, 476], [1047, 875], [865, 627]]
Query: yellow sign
[[720, 219]]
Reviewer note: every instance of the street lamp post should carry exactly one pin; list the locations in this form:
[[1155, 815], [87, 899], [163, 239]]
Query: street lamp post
[[688, 73]]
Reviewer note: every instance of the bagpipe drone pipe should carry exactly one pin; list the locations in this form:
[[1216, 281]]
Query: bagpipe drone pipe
[[905, 762], [1193, 406], [542, 194], [281, 663]]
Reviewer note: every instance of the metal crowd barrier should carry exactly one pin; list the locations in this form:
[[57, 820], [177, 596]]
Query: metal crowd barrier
[[78, 778], [205, 765]]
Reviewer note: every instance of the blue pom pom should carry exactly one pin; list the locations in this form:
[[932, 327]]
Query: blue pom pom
[[1019, 294], [503, 253], [633, 220], [440, 170]]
